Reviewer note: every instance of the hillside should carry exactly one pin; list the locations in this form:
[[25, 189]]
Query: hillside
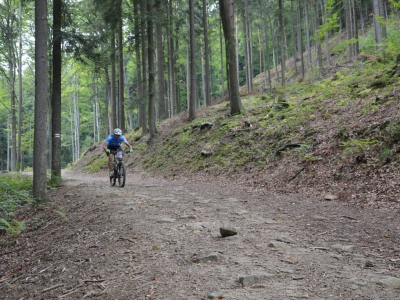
[[335, 135]]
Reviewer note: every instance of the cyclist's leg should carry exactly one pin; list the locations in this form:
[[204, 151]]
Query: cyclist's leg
[[110, 162], [110, 159]]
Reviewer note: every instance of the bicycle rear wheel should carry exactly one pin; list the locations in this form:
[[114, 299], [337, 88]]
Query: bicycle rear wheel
[[121, 174]]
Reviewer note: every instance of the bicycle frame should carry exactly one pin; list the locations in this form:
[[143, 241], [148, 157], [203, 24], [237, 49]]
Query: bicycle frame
[[118, 167]]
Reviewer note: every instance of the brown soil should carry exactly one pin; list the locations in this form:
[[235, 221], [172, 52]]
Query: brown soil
[[159, 239]]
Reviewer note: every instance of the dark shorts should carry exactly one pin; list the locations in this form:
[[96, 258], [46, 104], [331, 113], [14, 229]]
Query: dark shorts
[[113, 148]]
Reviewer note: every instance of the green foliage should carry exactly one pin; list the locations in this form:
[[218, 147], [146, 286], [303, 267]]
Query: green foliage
[[391, 131], [14, 227], [358, 146], [96, 162], [385, 155], [62, 214], [15, 191]]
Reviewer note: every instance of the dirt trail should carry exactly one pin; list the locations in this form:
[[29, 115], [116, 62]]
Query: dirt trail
[[159, 239]]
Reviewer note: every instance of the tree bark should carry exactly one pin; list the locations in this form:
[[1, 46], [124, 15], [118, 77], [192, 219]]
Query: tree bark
[[150, 57], [56, 96], [207, 96], [144, 68], [299, 38], [192, 61], [121, 96], [162, 111], [113, 103], [41, 101], [227, 16], [282, 38]]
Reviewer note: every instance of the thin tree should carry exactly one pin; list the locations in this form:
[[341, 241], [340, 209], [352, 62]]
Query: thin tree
[[41, 101], [121, 98], [192, 61], [292, 16], [139, 86], [56, 93], [162, 111], [113, 100], [19, 153], [144, 68], [226, 11], [207, 96], [8, 36], [282, 38], [150, 57], [299, 38]]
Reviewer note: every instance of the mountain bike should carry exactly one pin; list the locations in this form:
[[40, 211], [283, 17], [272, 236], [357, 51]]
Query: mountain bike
[[119, 168]]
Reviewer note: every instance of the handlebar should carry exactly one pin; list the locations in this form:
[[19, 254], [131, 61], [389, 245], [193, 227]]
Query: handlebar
[[116, 151]]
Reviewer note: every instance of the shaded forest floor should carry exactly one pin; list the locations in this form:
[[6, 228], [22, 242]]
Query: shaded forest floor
[[161, 239]]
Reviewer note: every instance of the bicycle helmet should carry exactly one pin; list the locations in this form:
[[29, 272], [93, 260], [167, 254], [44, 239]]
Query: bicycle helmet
[[117, 131]]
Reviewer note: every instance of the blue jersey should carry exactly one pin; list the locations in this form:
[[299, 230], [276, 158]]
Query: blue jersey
[[113, 142]]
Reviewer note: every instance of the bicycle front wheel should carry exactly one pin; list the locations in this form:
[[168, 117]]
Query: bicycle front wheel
[[121, 174], [113, 179]]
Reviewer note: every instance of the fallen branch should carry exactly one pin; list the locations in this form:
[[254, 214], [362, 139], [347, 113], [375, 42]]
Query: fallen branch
[[70, 292], [53, 287], [93, 280], [129, 240], [295, 175], [320, 248]]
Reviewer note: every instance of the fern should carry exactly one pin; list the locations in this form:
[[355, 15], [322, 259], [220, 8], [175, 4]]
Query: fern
[[14, 227]]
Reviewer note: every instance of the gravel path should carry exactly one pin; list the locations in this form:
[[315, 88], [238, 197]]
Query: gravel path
[[159, 239]]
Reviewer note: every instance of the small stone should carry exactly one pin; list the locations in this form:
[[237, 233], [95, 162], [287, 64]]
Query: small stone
[[276, 244], [319, 218], [215, 295], [271, 222], [211, 257], [389, 281], [369, 264], [284, 239], [166, 220], [330, 197], [254, 279], [225, 231]]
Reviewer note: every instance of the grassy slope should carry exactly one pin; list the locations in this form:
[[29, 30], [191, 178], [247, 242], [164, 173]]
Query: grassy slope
[[337, 133]]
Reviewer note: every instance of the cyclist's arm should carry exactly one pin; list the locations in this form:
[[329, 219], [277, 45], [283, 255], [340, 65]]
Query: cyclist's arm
[[129, 145], [105, 146]]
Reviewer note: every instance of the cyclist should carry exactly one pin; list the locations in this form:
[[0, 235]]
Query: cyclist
[[113, 143]]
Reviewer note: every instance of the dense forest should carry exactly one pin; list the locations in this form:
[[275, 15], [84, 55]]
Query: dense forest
[[131, 64]]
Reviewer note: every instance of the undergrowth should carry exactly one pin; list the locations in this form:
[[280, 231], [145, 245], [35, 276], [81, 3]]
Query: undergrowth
[[15, 192]]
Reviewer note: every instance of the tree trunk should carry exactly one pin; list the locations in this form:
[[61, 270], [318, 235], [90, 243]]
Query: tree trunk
[[171, 64], [139, 91], [121, 98], [56, 97], [268, 54], [299, 38], [222, 62], [108, 98], [41, 101], [293, 15], [113, 103], [150, 57], [207, 96], [163, 113], [282, 38], [227, 16], [192, 60], [144, 68], [377, 24], [308, 42], [19, 153]]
